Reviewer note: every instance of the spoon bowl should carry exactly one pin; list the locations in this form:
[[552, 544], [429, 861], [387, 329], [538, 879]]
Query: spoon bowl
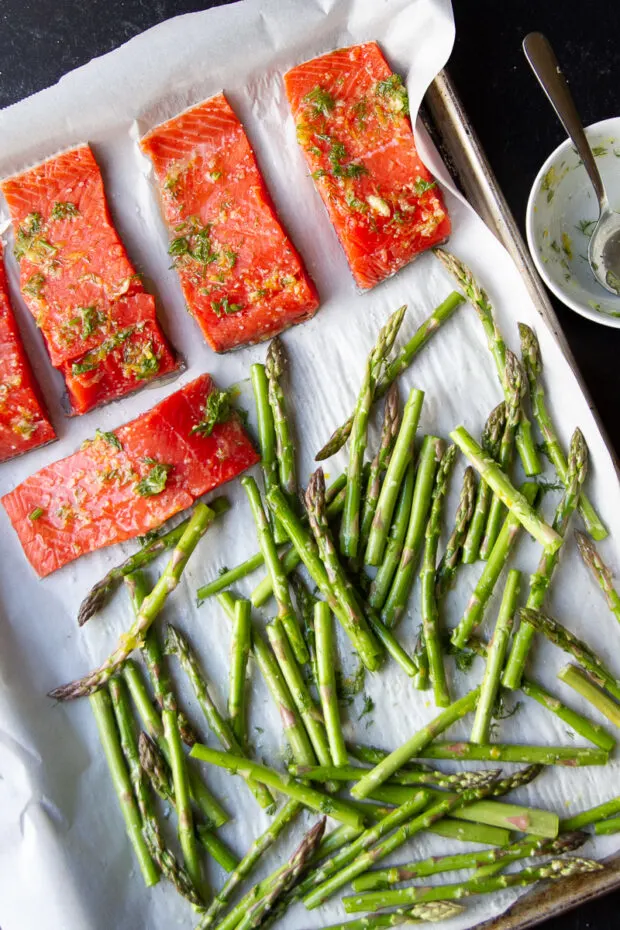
[[604, 250]]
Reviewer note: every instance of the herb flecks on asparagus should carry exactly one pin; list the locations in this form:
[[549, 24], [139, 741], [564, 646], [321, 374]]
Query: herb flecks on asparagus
[[478, 298], [490, 442], [350, 526], [501, 485], [602, 574], [397, 366], [532, 362]]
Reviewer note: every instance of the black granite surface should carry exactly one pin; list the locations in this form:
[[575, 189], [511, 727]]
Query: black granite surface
[[42, 39]]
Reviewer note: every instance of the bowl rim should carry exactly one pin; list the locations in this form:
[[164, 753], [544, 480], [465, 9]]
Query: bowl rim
[[601, 318]]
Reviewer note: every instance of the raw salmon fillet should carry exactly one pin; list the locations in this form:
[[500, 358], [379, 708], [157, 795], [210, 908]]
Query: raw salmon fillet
[[24, 423], [98, 322], [241, 277], [123, 484], [351, 114]]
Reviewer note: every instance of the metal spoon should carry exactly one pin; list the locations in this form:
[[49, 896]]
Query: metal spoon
[[604, 248]]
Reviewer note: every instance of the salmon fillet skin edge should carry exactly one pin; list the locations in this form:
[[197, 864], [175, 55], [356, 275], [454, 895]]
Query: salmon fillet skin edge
[[127, 482], [352, 118], [24, 423], [98, 322], [241, 277]]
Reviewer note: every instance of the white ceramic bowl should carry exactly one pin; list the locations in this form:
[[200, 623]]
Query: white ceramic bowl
[[561, 213]]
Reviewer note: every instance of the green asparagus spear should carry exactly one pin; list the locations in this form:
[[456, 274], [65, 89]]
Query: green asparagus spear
[[364, 840], [400, 363], [602, 574], [590, 816], [151, 721], [306, 707], [165, 859], [422, 679], [413, 746], [515, 390], [185, 817], [152, 605], [284, 817], [419, 913], [583, 685], [306, 604], [395, 840], [138, 589], [540, 581], [156, 769], [286, 611], [401, 458], [430, 612], [568, 642], [267, 439], [474, 612], [338, 596], [350, 525], [431, 454], [532, 362], [100, 594], [256, 912], [325, 773], [497, 649], [326, 681], [380, 462], [450, 559], [436, 865], [275, 364], [490, 443], [228, 577], [177, 645], [607, 827], [501, 485], [382, 581], [495, 752], [316, 800], [553, 870], [291, 558], [481, 304], [110, 741], [240, 651]]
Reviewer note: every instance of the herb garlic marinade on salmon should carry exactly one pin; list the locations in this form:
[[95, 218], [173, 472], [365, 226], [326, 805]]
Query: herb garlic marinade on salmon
[[98, 322], [352, 117], [241, 276], [127, 482], [24, 423]]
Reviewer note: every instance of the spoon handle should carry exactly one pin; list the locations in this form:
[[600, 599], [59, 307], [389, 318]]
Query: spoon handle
[[545, 66]]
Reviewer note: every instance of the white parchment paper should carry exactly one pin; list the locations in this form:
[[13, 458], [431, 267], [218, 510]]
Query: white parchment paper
[[65, 863]]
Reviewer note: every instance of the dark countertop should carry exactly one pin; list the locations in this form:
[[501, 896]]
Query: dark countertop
[[42, 39]]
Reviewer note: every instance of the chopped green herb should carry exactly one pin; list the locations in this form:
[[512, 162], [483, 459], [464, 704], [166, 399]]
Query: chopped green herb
[[356, 204], [369, 706], [29, 241], [548, 182], [586, 227], [319, 173], [599, 150], [179, 246], [154, 481], [354, 170], [34, 284], [322, 101], [422, 185], [395, 93], [217, 409], [111, 438], [567, 246], [36, 513], [63, 209], [555, 246], [224, 306], [91, 360], [231, 258], [215, 175], [613, 281], [348, 688]]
